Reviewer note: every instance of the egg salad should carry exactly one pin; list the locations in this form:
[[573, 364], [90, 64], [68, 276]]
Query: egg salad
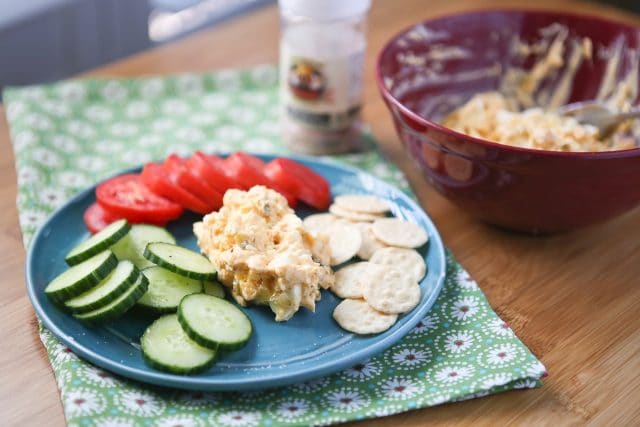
[[263, 252], [492, 116]]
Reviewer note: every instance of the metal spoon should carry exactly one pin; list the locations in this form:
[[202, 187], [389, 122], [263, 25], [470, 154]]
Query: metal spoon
[[597, 114]]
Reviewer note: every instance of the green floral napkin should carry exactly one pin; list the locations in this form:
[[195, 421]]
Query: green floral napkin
[[69, 135]]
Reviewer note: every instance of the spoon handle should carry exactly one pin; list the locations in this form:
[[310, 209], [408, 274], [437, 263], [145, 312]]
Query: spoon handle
[[633, 113]]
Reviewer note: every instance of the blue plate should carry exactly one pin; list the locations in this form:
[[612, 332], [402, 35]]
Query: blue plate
[[307, 346]]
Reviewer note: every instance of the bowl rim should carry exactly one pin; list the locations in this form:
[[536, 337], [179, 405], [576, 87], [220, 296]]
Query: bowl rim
[[631, 152]]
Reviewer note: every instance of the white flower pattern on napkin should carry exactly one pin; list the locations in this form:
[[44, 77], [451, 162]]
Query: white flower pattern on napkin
[[69, 135]]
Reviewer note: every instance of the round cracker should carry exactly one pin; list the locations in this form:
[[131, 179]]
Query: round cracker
[[394, 292], [356, 316], [369, 242], [362, 203], [349, 279], [407, 260], [352, 215], [344, 242], [320, 222], [397, 232]]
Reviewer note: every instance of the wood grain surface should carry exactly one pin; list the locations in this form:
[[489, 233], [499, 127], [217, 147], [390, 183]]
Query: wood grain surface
[[574, 299]]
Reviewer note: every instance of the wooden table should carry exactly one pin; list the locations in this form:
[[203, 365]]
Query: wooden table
[[574, 299]]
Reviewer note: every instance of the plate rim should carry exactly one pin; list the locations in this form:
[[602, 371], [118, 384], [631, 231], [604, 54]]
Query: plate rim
[[188, 382]]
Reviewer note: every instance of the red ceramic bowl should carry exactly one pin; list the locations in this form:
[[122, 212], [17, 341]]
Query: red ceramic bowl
[[523, 189]]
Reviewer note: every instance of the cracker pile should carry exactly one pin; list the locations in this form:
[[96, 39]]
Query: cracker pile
[[385, 283]]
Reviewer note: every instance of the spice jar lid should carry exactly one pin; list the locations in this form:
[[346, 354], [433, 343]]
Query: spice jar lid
[[324, 10]]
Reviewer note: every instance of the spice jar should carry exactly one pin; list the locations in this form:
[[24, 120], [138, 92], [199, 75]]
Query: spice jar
[[322, 48]]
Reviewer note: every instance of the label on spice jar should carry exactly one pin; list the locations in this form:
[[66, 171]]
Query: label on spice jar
[[322, 94]]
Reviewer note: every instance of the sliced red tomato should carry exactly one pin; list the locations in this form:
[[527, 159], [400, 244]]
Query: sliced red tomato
[[96, 218], [300, 180], [248, 171], [155, 177], [245, 170], [178, 172], [127, 197], [276, 172], [214, 160], [211, 170]]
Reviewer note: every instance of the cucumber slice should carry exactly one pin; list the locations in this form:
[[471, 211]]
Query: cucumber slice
[[98, 242], [213, 322], [81, 277], [114, 285], [132, 245], [166, 290], [215, 289], [118, 306], [165, 346], [180, 260]]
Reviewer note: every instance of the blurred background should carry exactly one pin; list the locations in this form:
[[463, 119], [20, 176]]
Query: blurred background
[[47, 40]]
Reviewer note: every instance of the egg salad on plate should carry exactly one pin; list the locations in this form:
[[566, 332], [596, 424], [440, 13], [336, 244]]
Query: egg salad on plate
[[263, 252]]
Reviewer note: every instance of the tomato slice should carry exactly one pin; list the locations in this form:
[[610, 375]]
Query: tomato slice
[[276, 172], [127, 197], [155, 177], [303, 182], [214, 160], [211, 170], [248, 171], [175, 166], [96, 218], [245, 170]]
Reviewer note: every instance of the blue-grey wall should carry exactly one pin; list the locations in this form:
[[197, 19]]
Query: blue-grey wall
[[48, 40]]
